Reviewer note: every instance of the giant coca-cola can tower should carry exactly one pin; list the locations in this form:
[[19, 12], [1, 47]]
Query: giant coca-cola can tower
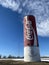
[[31, 46]]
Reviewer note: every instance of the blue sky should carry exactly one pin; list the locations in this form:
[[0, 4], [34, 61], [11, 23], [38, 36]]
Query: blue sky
[[11, 29], [11, 32]]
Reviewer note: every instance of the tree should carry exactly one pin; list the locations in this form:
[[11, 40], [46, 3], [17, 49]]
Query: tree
[[0, 56], [18, 57], [4, 57], [9, 56]]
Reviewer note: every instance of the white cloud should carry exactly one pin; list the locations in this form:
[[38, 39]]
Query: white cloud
[[38, 8], [43, 28], [10, 4]]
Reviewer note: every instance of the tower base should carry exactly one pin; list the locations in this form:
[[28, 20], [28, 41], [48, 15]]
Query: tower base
[[31, 54]]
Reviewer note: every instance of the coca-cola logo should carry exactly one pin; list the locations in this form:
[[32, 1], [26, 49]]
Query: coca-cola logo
[[29, 30]]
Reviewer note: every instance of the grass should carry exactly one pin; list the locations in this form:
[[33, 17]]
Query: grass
[[10, 62]]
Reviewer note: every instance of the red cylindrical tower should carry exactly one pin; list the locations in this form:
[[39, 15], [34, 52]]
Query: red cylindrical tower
[[31, 46]]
